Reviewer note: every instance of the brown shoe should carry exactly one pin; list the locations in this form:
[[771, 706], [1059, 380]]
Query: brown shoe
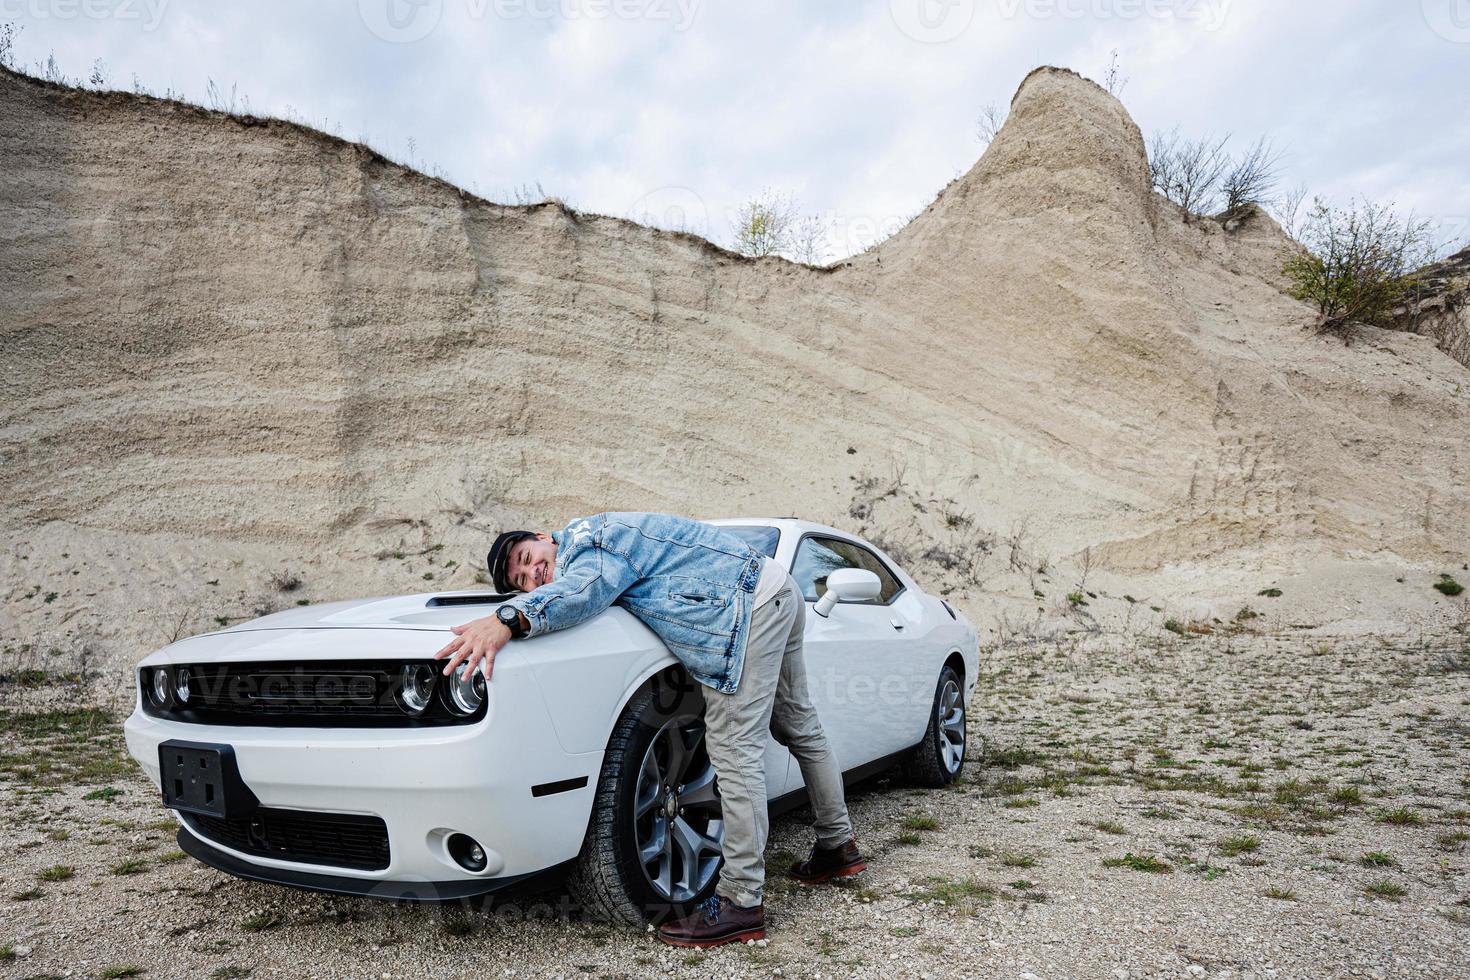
[[715, 922], [824, 864]]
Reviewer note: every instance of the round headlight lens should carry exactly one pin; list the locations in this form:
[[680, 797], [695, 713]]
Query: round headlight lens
[[468, 690], [416, 687], [181, 685], [160, 687]]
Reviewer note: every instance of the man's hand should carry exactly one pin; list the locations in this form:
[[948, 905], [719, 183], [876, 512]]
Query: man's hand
[[476, 643]]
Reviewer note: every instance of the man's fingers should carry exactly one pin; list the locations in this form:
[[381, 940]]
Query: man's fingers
[[488, 664], [458, 629], [449, 648]]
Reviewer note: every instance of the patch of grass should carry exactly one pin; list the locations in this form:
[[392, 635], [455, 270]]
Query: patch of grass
[[908, 839], [118, 972], [169, 857], [1174, 626], [57, 872], [1240, 844], [1139, 862], [1383, 888], [1014, 757], [981, 851], [1109, 827], [921, 821], [7, 953], [29, 895], [903, 932], [1452, 840], [1448, 585], [230, 972], [132, 866], [107, 794], [1021, 803], [954, 892], [1280, 893], [261, 922], [1160, 813], [1014, 860], [1401, 816], [1272, 593], [1346, 796], [1378, 859]]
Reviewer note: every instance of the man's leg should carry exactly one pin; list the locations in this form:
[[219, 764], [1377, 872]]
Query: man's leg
[[737, 726], [795, 724]]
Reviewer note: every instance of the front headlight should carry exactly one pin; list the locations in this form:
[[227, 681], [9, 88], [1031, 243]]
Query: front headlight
[[467, 692], [416, 687], [181, 685], [159, 688]]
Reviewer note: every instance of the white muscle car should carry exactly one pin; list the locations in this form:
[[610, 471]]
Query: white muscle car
[[321, 748]]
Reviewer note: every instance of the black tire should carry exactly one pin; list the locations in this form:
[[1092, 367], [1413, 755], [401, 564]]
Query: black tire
[[934, 762], [608, 881]]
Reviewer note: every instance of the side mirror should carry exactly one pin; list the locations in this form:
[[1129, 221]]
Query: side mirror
[[847, 585]]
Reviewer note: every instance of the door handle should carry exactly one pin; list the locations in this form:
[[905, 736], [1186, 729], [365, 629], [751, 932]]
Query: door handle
[[897, 623]]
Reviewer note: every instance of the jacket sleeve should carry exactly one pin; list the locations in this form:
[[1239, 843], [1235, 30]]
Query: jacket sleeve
[[593, 581]]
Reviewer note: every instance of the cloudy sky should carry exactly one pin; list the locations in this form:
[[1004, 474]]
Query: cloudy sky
[[676, 111]]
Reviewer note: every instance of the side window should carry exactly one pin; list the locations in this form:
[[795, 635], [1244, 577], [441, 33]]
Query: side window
[[816, 557]]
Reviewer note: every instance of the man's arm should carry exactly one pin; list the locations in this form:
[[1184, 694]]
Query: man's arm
[[593, 582]]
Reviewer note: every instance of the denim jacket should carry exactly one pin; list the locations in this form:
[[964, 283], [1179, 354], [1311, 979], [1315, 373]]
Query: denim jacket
[[690, 582]]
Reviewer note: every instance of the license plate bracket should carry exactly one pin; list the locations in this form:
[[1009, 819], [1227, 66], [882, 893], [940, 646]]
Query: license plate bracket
[[203, 777]]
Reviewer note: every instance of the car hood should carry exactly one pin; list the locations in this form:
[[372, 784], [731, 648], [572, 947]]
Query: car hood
[[424, 611]]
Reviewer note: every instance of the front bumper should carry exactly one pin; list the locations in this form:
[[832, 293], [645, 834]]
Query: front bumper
[[504, 781]]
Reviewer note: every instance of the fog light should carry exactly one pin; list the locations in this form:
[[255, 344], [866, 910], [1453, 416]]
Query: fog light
[[467, 852]]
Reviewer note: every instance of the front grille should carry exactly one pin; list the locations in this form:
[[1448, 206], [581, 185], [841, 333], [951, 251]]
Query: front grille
[[333, 839], [335, 694]]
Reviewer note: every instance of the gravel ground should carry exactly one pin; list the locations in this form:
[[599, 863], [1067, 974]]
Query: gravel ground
[[1231, 805]]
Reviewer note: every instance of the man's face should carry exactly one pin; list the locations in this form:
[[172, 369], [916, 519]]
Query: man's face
[[532, 562]]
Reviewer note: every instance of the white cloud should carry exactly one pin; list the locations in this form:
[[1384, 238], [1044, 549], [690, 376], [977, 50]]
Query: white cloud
[[833, 101]]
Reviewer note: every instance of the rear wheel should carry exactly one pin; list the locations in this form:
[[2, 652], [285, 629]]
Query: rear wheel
[[939, 758], [653, 843]]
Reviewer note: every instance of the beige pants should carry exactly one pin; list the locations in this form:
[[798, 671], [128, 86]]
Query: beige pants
[[773, 697]]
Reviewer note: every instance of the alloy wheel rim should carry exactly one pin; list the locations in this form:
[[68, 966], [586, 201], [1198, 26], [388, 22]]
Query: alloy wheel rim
[[950, 714], [676, 812]]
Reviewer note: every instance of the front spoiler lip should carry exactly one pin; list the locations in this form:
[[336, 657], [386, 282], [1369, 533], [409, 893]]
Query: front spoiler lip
[[391, 891]]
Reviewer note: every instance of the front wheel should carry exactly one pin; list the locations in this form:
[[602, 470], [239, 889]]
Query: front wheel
[[938, 759], [653, 843]]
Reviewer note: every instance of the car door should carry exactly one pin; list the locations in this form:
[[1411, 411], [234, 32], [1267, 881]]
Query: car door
[[859, 658]]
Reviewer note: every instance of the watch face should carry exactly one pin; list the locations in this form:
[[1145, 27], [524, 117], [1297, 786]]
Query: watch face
[[506, 614]]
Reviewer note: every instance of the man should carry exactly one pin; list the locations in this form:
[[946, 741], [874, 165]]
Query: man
[[734, 618]]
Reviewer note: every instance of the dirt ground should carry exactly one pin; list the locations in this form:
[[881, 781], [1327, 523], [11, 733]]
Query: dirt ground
[[1138, 804]]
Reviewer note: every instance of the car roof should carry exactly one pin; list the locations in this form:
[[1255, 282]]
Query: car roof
[[787, 524]]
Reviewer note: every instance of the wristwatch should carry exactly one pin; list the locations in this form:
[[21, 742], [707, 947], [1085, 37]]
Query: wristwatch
[[514, 621]]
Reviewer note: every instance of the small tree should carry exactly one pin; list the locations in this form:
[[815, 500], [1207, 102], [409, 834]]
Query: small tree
[[1113, 79], [1251, 178], [8, 33], [771, 224], [1188, 172], [1359, 263], [992, 118]]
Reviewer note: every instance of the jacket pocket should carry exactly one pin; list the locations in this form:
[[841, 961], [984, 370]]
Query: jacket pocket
[[696, 592]]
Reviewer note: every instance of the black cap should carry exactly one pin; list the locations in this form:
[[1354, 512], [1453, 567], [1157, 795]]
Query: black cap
[[500, 554]]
